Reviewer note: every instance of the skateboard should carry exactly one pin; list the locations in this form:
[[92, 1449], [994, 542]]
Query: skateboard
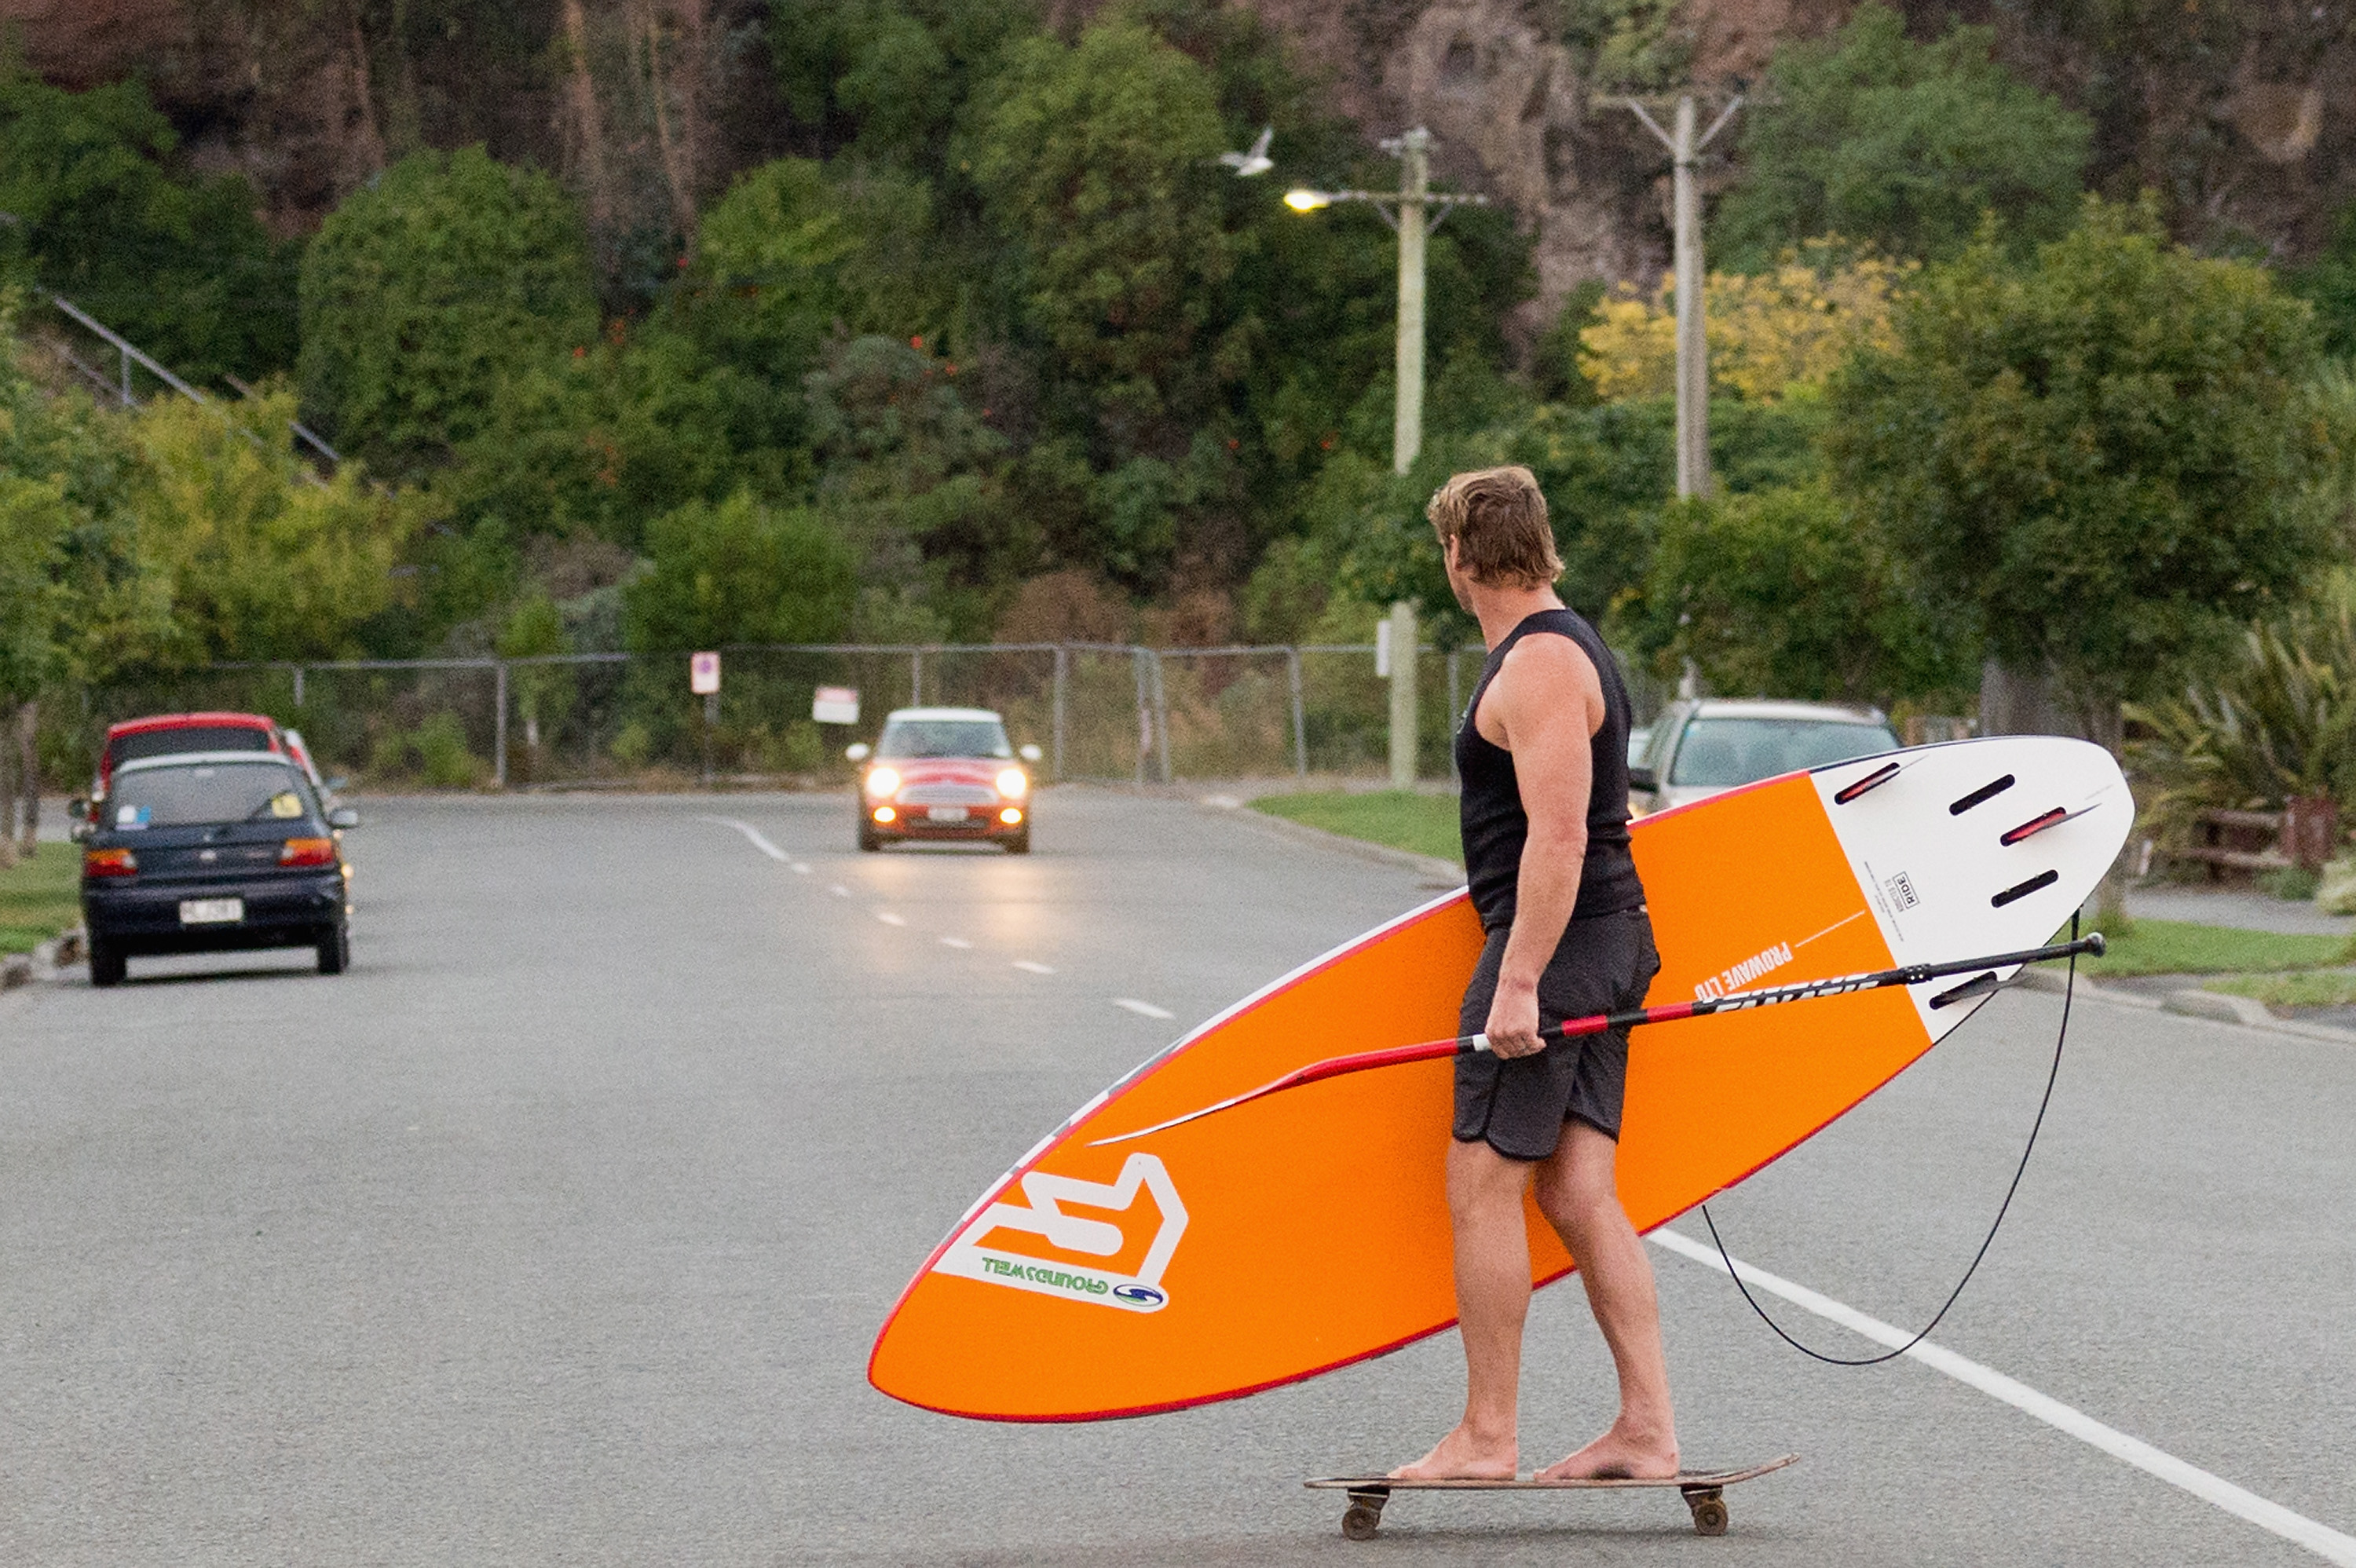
[[1703, 1490]]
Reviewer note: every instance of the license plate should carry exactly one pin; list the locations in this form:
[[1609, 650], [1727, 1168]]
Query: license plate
[[211, 912], [946, 814]]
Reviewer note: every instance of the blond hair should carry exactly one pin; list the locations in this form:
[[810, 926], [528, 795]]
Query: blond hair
[[1498, 518]]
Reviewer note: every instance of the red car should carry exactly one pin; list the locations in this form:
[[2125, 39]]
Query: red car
[[944, 774], [164, 734]]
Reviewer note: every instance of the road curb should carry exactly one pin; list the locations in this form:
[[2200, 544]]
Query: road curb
[[2193, 1003], [1432, 866]]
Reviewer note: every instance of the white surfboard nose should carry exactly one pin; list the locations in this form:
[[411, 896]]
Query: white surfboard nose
[[1984, 846]]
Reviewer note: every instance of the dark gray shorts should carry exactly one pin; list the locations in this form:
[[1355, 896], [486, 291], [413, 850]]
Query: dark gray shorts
[[1603, 966]]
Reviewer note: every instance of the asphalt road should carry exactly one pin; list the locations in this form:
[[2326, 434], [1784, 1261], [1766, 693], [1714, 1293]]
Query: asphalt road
[[558, 1230]]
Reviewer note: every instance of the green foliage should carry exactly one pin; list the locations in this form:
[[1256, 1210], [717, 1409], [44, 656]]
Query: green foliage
[[427, 288], [1899, 144], [105, 212], [1630, 45], [2094, 455], [1097, 160], [263, 563], [2182, 947], [2328, 283], [433, 753], [39, 897], [738, 572], [887, 78], [1789, 592], [2277, 719]]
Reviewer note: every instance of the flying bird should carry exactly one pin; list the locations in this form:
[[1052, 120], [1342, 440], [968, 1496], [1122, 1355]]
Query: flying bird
[[1257, 160]]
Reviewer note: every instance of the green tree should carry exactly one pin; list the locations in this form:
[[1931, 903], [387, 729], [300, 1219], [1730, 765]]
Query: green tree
[[887, 78], [1788, 592], [264, 560], [2328, 283], [426, 288], [103, 210], [2101, 455], [1899, 144], [738, 572]]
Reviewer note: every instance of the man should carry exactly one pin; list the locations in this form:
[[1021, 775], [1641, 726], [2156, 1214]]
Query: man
[[1543, 756]]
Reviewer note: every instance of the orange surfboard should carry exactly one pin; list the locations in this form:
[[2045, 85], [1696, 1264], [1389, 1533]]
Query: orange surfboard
[[1309, 1230]]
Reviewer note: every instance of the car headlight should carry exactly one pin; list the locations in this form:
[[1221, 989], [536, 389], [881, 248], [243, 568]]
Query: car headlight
[[1011, 782], [881, 781]]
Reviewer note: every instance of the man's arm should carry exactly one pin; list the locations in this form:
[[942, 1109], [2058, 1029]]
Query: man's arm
[[1549, 702]]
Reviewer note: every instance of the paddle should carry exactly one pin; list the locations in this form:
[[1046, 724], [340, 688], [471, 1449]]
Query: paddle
[[1800, 991]]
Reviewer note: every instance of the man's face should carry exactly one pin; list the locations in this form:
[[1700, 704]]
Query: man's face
[[1456, 575]]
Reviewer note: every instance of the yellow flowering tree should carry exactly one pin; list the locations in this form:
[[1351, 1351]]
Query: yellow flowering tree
[[1769, 332]]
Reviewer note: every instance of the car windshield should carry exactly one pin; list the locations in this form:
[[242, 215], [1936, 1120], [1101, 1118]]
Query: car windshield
[[1720, 754], [209, 792], [188, 738], [905, 738]]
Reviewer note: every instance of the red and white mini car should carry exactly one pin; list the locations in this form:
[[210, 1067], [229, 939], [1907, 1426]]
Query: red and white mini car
[[944, 774]]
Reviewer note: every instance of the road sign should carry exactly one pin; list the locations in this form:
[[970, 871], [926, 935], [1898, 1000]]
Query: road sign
[[835, 705], [703, 674]]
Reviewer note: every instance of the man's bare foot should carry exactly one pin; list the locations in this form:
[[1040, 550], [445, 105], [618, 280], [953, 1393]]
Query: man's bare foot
[[1618, 1455], [1462, 1457]]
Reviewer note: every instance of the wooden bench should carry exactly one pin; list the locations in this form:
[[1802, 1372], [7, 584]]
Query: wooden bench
[[2306, 833]]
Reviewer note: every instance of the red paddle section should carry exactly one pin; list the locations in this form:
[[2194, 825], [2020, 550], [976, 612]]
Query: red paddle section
[[1308, 1230]]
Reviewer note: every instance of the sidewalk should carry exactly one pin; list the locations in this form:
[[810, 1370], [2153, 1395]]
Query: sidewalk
[[2244, 909]]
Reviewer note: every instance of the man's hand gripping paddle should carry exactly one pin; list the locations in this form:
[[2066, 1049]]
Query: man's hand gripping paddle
[[1981, 983]]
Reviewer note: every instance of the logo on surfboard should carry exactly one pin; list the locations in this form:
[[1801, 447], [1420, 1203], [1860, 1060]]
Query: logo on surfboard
[[1045, 1217]]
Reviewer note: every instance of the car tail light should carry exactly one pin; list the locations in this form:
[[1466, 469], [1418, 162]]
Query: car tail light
[[109, 863], [307, 852], [1010, 816], [886, 814]]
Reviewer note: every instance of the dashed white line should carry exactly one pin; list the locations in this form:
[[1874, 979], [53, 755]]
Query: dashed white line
[[2321, 1539], [1033, 969], [1142, 1009], [955, 942], [838, 890], [888, 918], [752, 833], [801, 869]]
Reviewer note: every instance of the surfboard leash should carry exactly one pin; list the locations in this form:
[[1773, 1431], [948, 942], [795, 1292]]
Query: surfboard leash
[[2069, 990]]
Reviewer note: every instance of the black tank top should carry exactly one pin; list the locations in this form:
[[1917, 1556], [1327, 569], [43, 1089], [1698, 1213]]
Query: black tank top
[[1490, 808]]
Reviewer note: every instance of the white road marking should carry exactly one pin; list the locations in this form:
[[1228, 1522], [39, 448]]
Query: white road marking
[[752, 833], [955, 942], [838, 890], [1142, 1009], [801, 869], [1033, 969], [2321, 1539], [890, 919]]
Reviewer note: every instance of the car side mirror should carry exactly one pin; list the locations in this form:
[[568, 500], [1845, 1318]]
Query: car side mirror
[[343, 817], [1028, 753], [858, 751], [1641, 778]]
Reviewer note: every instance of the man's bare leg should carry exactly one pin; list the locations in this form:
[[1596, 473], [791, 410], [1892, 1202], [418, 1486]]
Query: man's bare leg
[[1492, 1299], [1579, 1192]]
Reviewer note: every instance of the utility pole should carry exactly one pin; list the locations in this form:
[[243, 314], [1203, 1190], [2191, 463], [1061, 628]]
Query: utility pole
[[1693, 343], [1405, 210]]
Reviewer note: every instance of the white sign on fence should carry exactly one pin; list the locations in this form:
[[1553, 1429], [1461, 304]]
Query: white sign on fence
[[703, 674], [835, 705]]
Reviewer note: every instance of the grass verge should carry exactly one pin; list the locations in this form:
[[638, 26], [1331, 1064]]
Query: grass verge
[[2316, 988], [2180, 947], [1402, 820], [40, 897]]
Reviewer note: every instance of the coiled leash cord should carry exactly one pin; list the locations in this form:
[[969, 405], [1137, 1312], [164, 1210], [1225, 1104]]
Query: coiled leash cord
[[2069, 990]]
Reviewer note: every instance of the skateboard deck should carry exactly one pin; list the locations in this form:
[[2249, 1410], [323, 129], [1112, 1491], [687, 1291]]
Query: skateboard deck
[[1222, 1256], [1703, 1491]]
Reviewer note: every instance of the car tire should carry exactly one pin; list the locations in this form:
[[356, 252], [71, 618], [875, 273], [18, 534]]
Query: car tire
[[107, 965], [868, 842], [335, 950], [1020, 844]]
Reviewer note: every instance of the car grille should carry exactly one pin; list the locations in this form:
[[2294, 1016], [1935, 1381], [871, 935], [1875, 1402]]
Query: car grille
[[948, 795]]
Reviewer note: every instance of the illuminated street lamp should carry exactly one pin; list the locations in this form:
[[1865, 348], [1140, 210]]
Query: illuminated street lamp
[[1404, 209]]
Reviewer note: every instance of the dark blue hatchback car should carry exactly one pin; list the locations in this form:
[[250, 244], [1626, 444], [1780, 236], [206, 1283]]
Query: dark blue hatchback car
[[213, 851]]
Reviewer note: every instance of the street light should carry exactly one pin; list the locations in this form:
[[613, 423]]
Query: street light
[[1403, 210]]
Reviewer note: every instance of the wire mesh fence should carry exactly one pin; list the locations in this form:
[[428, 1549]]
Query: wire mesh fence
[[1095, 710]]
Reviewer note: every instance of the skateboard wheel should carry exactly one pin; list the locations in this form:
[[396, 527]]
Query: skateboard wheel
[[1709, 1516], [1360, 1521]]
